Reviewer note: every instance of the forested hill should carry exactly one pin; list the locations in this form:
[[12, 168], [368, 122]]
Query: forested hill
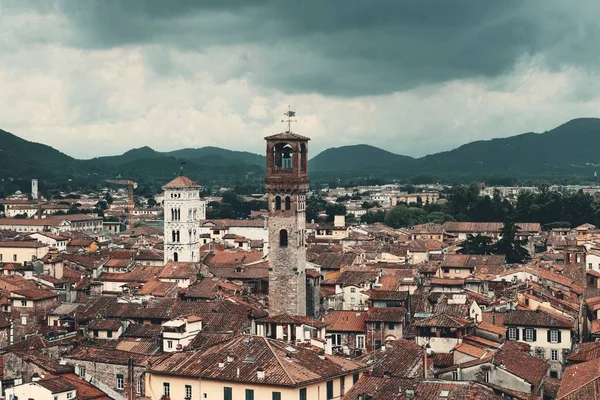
[[566, 151], [358, 158], [569, 148]]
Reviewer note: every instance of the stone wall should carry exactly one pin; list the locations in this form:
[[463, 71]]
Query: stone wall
[[107, 373], [287, 278]]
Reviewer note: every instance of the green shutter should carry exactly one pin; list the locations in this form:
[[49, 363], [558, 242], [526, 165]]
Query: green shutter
[[249, 394], [276, 396], [329, 390], [227, 393], [302, 394]]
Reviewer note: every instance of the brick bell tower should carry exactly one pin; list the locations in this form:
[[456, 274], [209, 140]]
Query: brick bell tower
[[286, 184]]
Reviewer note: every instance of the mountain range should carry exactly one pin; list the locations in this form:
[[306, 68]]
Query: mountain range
[[570, 149]]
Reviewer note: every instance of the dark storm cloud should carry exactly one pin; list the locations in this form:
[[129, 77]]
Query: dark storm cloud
[[349, 47]]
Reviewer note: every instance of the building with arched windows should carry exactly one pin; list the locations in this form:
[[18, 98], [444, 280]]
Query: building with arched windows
[[183, 210], [286, 183]]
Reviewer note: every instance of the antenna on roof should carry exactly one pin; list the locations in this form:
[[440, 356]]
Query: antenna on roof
[[289, 114]]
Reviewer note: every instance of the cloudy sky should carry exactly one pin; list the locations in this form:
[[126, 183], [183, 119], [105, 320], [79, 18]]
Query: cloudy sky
[[414, 77]]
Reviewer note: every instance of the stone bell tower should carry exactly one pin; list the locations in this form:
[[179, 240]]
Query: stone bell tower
[[286, 184]]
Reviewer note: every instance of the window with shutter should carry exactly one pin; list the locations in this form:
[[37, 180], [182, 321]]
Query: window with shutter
[[529, 335], [302, 395]]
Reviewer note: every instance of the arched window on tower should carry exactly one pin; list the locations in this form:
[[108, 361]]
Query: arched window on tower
[[175, 257], [283, 238], [288, 203], [283, 156], [278, 202], [303, 158]]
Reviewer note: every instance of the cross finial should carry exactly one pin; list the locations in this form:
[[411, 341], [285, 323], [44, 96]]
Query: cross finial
[[289, 114]]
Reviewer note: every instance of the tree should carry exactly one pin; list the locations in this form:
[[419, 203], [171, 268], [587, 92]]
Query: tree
[[372, 217], [314, 205], [101, 205], [333, 209], [509, 246], [479, 245], [403, 216], [151, 202], [108, 197]]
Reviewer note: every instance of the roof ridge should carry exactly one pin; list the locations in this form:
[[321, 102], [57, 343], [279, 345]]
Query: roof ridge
[[279, 361], [596, 360]]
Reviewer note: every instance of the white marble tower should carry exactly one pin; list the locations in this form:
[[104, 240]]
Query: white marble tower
[[183, 209]]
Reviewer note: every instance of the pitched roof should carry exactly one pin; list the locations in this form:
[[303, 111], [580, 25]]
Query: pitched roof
[[586, 352], [354, 277], [388, 314], [56, 385], [520, 363], [34, 294], [292, 319], [346, 321], [29, 244], [286, 136], [443, 321], [388, 295], [470, 350], [283, 364], [581, 381], [85, 390], [394, 388], [181, 182], [105, 324], [178, 270], [537, 318], [332, 260], [402, 358], [488, 327]]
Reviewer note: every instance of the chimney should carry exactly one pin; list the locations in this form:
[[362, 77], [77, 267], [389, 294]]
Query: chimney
[[410, 394], [260, 374], [238, 372], [229, 358]]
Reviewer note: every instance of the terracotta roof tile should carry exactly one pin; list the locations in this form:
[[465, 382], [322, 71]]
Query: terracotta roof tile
[[282, 363], [401, 358], [443, 321], [470, 350], [538, 318], [486, 326], [346, 321], [181, 182]]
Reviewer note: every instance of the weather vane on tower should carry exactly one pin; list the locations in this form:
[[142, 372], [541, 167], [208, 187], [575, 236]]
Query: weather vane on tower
[[289, 114]]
